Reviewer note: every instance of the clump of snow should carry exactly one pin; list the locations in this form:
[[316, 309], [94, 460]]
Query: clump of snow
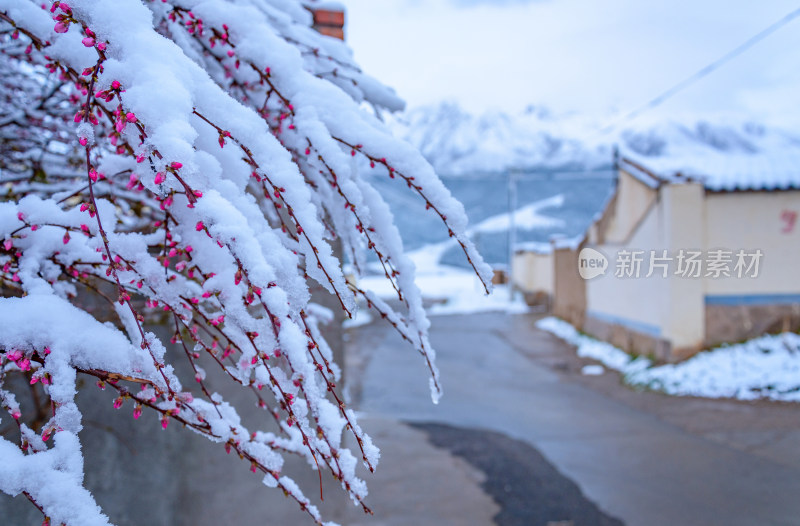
[[592, 370], [767, 367]]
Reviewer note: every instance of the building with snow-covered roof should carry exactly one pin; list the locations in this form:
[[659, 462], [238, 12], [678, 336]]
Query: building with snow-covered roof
[[698, 250]]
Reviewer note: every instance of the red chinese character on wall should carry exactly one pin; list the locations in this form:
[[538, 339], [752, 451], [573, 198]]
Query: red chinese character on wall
[[788, 218]]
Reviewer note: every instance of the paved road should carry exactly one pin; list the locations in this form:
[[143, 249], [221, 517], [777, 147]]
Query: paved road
[[644, 458]]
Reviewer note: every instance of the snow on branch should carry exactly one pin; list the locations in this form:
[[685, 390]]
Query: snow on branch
[[188, 165]]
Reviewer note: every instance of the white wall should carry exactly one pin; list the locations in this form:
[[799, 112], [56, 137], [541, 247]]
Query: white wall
[[668, 307], [533, 272], [634, 302]]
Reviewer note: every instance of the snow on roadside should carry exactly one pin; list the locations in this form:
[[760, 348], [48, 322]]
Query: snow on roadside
[[588, 347], [767, 367]]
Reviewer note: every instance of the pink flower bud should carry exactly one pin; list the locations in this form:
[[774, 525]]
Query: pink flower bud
[[175, 165], [115, 84], [101, 46], [61, 27], [160, 178], [83, 141], [164, 423], [118, 402], [130, 117], [137, 411], [88, 42], [200, 226]]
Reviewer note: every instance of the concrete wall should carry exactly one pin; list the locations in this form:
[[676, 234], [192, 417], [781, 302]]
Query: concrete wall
[[569, 289], [533, 275], [632, 201], [742, 306], [676, 316], [645, 309]]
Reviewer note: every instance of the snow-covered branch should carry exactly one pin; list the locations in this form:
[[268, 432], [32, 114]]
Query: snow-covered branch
[[188, 164]]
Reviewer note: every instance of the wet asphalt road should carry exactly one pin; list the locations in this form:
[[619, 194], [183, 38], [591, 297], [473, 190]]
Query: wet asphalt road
[[529, 490], [642, 458]]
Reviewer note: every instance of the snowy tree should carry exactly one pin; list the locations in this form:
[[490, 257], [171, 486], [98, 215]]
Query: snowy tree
[[188, 164]]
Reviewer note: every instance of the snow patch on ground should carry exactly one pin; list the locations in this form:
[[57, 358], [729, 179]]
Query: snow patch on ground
[[763, 368]]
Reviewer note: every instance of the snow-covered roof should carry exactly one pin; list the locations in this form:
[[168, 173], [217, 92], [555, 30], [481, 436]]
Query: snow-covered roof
[[721, 173], [723, 157]]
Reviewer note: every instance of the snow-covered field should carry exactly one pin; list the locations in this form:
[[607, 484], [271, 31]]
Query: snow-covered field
[[764, 368], [448, 290]]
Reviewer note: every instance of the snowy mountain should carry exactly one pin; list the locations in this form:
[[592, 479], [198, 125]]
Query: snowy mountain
[[457, 142]]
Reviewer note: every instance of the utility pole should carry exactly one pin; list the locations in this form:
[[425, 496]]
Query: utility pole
[[512, 230]]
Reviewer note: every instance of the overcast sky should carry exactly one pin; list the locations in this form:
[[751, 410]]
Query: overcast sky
[[585, 55]]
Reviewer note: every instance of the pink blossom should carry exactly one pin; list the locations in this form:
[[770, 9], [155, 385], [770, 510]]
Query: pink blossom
[[7, 244], [14, 356], [118, 402], [176, 165], [137, 411], [164, 423], [130, 117], [83, 141], [88, 42], [101, 46], [160, 178], [61, 27], [115, 84], [200, 226]]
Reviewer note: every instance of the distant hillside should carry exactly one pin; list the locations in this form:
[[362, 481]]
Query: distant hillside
[[457, 142]]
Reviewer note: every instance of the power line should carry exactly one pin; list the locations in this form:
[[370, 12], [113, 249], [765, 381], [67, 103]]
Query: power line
[[704, 71]]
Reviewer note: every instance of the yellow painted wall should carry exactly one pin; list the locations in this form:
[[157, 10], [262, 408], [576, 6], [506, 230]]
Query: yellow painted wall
[[769, 221]]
